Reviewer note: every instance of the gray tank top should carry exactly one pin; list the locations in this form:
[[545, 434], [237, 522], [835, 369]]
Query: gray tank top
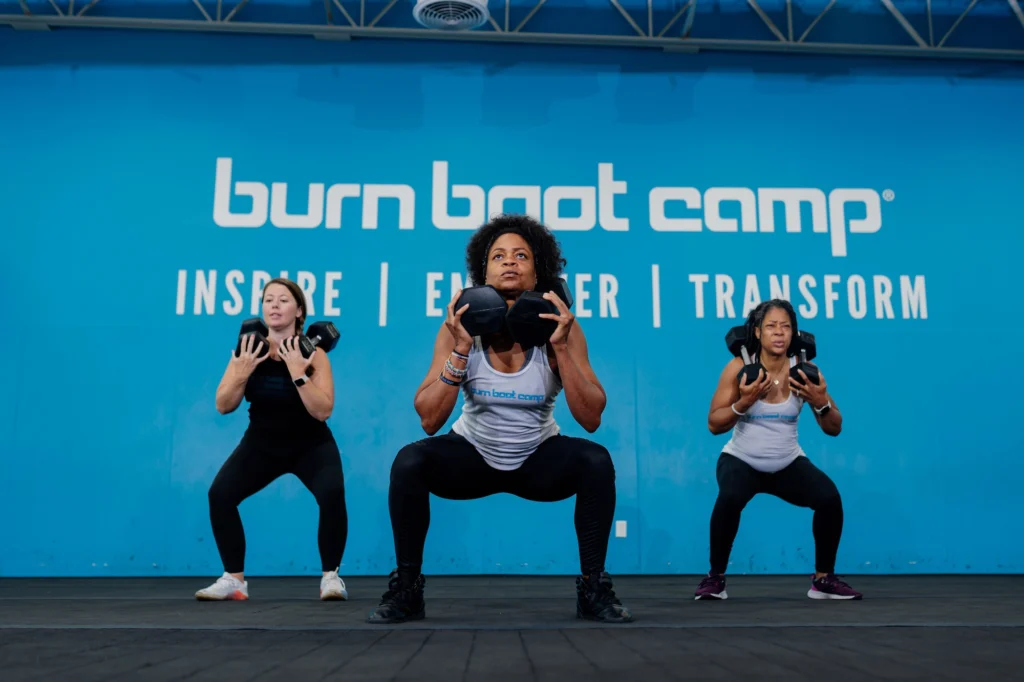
[[765, 437], [507, 416]]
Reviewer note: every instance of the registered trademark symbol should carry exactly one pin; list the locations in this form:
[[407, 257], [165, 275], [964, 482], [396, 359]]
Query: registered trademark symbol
[[888, 195]]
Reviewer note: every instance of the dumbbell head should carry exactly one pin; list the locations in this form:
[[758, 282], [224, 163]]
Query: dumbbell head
[[254, 325], [523, 319], [561, 289], [486, 313], [752, 372], [810, 370], [257, 327], [324, 334], [805, 348], [524, 322], [804, 341], [735, 339]]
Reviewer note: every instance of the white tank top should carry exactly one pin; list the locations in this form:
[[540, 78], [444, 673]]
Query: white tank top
[[765, 437], [507, 416]]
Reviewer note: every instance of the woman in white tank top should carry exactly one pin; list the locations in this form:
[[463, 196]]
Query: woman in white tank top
[[506, 439], [763, 454]]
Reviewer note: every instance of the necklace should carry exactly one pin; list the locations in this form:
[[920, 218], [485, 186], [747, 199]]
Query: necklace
[[772, 376]]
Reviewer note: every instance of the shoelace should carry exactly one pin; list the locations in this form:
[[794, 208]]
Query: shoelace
[[396, 592], [228, 581], [834, 580], [603, 592], [708, 581]]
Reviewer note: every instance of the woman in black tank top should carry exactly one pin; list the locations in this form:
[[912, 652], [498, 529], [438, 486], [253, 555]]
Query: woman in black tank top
[[290, 399], [512, 253]]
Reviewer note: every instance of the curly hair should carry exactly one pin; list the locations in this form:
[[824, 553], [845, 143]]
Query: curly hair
[[756, 318], [547, 253]]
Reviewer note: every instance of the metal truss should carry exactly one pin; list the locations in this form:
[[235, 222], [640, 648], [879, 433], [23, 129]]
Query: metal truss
[[882, 29]]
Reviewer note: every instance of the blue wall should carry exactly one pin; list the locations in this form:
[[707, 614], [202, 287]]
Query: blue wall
[[108, 166]]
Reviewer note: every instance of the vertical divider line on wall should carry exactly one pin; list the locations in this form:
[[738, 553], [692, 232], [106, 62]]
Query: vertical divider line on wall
[[382, 318]]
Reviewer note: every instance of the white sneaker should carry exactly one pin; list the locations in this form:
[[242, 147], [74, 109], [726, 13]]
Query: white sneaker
[[332, 587], [227, 587]]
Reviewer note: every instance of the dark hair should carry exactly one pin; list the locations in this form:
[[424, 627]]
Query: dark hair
[[756, 318], [300, 298], [547, 254]]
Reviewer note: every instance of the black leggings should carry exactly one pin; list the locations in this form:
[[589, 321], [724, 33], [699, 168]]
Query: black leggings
[[254, 465], [450, 467], [801, 483]]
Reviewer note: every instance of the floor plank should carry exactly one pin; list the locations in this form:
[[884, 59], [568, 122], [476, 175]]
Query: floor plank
[[918, 628]]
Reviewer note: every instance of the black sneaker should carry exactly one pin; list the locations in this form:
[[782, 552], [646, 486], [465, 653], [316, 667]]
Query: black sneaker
[[402, 602], [596, 600]]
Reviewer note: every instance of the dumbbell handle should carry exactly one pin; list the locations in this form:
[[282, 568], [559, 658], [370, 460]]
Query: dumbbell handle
[[803, 355], [745, 355]]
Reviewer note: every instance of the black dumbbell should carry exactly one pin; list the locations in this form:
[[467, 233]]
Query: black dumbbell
[[256, 327], [523, 319], [736, 340], [487, 310], [807, 349], [319, 335]]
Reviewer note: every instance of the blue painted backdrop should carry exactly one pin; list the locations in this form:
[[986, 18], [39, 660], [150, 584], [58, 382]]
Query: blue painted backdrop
[[122, 293]]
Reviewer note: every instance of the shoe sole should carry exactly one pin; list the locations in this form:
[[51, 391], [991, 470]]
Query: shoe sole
[[586, 616], [817, 594], [237, 595], [595, 619], [395, 621], [334, 596], [721, 596]]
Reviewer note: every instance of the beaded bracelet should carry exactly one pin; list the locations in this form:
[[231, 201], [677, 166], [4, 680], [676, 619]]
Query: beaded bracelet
[[455, 372], [460, 356]]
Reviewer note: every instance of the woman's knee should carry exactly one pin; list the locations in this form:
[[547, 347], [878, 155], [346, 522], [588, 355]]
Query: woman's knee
[[595, 460], [330, 488], [221, 494], [732, 502], [409, 464], [828, 498]]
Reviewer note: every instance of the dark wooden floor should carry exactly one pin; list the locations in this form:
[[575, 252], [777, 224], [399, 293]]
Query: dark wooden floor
[[514, 628]]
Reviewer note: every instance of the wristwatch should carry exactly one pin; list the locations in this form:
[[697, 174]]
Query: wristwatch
[[300, 381], [824, 409]]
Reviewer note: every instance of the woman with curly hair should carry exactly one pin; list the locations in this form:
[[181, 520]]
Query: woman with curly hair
[[500, 444]]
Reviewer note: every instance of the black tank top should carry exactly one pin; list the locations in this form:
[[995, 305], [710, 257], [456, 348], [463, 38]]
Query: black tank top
[[275, 407]]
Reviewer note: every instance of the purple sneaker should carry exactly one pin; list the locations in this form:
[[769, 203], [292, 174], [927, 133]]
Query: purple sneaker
[[712, 587], [831, 587]]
